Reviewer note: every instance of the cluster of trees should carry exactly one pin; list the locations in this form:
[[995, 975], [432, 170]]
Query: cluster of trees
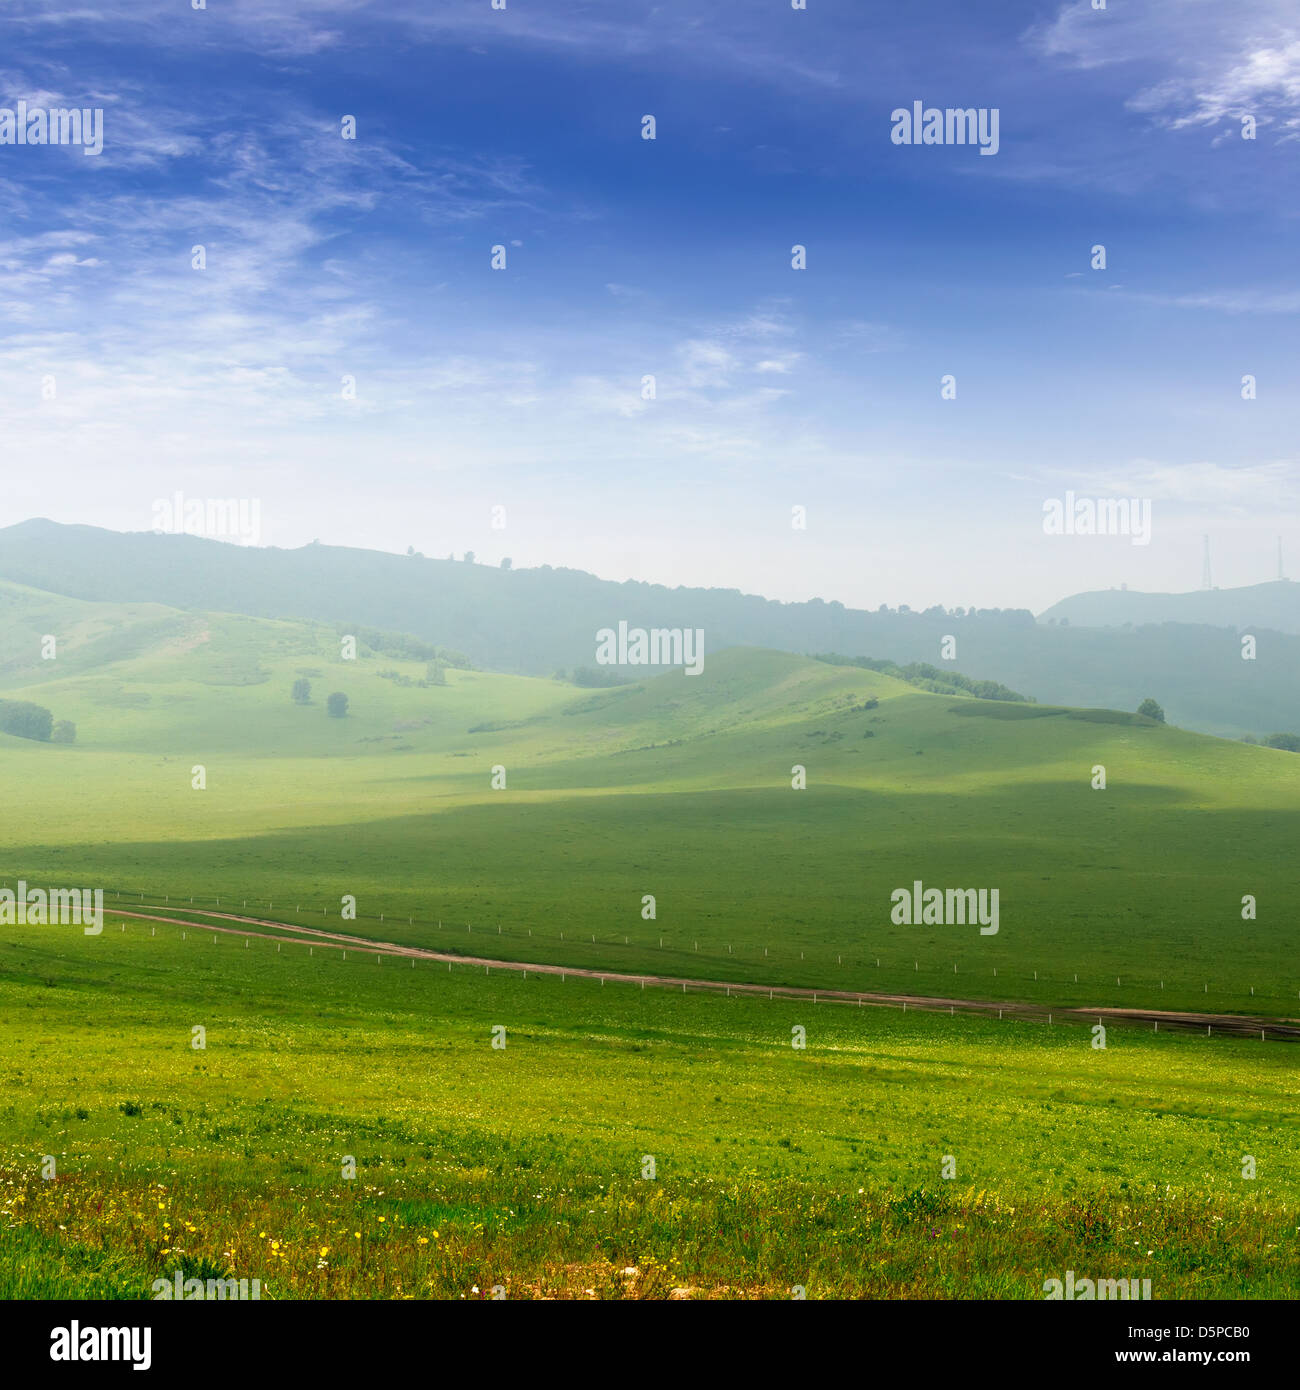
[[336, 704], [24, 719], [1015, 616], [1289, 742], [435, 673], [926, 677], [470, 557], [401, 645]]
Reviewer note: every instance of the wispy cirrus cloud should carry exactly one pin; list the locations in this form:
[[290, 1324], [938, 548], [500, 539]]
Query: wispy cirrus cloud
[[1193, 62], [1242, 301], [732, 39]]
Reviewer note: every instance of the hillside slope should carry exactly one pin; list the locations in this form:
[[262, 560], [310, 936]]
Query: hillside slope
[[535, 621], [771, 807]]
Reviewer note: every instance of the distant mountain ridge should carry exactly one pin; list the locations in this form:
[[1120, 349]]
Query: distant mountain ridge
[[533, 621], [1275, 605]]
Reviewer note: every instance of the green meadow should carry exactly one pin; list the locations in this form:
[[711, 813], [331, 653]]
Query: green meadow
[[523, 1169], [679, 788], [654, 827]]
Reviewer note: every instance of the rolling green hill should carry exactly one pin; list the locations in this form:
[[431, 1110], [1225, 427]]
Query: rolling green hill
[[677, 787], [534, 621]]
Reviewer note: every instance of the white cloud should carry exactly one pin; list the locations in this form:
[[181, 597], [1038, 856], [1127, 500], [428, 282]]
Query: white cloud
[[734, 39], [1194, 62], [705, 364]]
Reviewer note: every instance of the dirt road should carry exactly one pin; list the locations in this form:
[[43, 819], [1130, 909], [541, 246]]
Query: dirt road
[[1231, 1024]]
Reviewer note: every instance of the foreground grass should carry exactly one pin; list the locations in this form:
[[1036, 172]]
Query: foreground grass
[[521, 1168]]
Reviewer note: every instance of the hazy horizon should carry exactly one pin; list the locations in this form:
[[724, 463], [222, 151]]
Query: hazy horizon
[[491, 562]]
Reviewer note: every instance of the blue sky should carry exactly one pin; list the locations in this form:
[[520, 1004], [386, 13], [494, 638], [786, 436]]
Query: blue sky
[[521, 388]]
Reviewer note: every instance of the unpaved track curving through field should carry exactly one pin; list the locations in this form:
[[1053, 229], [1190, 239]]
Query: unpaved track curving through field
[[1242, 1025]]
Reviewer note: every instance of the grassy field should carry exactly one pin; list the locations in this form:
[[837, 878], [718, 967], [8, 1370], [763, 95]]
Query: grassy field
[[776, 1169], [679, 788], [521, 1168]]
